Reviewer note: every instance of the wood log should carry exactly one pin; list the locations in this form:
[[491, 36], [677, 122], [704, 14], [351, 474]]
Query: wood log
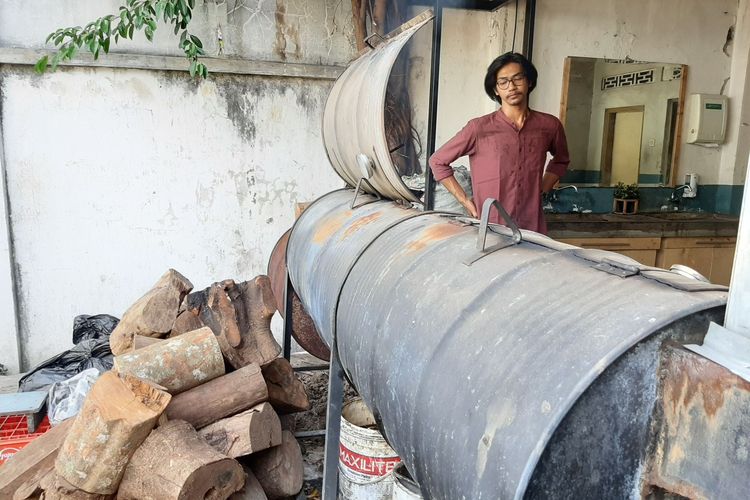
[[255, 324], [186, 321], [279, 469], [252, 489], [118, 414], [219, 314], [55, 487], [248, 432], [177, 364], [240, 317], [174, 462], [139, 342], [286, 392], [223, 396], [32, 462], [153, 314]]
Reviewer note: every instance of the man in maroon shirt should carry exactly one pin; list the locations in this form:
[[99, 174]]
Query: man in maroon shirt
[[508, 148]]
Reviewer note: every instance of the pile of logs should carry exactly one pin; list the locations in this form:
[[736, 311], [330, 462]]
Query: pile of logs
[[190, 409]]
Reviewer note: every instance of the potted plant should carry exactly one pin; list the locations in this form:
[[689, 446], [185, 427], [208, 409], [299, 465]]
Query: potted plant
[[626, 198]]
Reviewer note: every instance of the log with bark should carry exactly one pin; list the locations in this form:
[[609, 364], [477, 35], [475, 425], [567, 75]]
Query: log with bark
[[153, 314], [240, 317], [177, 364], [174, 462], [55, 487], [279, 469], [248, 432], [31, 463], [221, 397], [186, 321], [118, 414], [286, 392]]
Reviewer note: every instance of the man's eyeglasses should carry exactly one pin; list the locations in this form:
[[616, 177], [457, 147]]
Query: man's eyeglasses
[[517, 80]]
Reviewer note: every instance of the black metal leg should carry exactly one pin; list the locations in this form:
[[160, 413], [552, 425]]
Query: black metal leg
[[333, 428], [287, 344]]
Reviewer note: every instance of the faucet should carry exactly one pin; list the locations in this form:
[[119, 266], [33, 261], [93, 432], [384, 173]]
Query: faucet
[[553, 193], [674, 198]]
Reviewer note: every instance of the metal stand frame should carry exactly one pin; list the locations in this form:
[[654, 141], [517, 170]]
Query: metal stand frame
[[332, 431]]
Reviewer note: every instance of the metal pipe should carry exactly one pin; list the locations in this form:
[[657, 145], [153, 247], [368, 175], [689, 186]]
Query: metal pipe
[[528, 29], [437, 34], [480, 382]]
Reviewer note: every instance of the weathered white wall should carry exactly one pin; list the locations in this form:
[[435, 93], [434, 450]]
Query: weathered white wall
[[307, 31], [691, 32], [115, 175]]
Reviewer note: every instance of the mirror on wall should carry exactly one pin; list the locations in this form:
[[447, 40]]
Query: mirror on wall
[[622, 119]]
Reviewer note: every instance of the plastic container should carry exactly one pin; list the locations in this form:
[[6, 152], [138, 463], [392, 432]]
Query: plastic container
[[366, 461], [14, 435]]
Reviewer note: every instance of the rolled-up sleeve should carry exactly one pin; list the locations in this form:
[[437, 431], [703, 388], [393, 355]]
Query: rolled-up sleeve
[[461, 144], [558, 165]]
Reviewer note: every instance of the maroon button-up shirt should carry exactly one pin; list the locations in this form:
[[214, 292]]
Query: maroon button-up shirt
[[508, 164]]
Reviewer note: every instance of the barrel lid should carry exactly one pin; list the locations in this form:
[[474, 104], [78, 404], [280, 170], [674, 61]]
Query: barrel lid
[[354, 130]]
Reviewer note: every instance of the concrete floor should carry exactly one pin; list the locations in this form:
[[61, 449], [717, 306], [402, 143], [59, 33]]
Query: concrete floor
[[9, 383]]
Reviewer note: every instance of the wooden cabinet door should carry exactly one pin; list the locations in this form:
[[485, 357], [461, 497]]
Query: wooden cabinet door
[[712, 257]]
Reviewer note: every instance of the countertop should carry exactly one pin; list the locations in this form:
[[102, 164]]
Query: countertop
[[642, 225]]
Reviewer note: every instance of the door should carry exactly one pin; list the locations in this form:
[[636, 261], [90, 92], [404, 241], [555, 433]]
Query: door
[[621, 152], [626, 147]]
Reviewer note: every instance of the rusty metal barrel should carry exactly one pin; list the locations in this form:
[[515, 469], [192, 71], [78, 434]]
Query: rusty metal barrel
[[527, 371]]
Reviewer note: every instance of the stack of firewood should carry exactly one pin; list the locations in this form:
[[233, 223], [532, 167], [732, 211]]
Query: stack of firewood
[[190, 409]]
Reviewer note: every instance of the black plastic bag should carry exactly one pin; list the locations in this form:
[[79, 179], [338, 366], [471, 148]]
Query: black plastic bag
[[93, 353], [91, 336], [93, 327]]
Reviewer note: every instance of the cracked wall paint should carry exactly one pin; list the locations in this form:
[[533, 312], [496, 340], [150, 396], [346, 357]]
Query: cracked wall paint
[[300, 31], [144, 171]]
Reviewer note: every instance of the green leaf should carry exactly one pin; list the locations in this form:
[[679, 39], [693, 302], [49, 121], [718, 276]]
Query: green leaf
[[193, 68], [105, 45], [196, 41], [41, 65], [149, 34], [131, 28], [183, 37]]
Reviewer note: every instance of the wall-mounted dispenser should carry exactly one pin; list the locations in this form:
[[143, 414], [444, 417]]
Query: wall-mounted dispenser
[[707, 119]]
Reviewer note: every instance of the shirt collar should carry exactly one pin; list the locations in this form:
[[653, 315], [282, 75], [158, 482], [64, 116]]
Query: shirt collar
[[499, 115]]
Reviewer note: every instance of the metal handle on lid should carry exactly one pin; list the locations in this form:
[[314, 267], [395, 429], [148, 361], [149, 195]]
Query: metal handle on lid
[[482, 236]]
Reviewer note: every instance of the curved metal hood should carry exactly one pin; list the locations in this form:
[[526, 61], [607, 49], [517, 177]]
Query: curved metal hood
[[354, 117]]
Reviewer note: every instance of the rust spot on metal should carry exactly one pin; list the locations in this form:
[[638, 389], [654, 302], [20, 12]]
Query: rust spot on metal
[[699, 401], [696, 377], [329, 227], [360, 223], [433, 234]]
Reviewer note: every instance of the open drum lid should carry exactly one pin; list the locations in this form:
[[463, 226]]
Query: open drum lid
[[354, 116]]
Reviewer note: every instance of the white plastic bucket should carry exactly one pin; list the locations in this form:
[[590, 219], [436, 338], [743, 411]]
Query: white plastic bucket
[[365, 458], [404, 487]]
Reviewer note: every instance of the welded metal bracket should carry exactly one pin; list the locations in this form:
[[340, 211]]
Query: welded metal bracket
[[482, 249], [358, 189], [617, 268]]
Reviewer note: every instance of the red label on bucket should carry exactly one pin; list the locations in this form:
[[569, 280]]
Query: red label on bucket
[[372, 466]]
